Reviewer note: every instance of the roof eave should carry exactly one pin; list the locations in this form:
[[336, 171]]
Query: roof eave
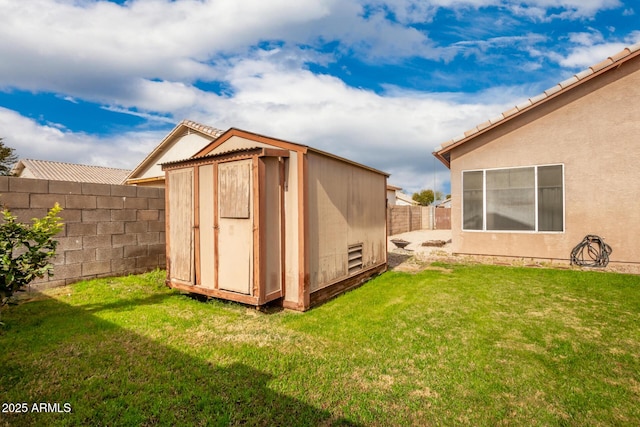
[[294, 146], [231, 132], [17, 169], [136, 181], [160, 148], [442, 153], [440, 156]]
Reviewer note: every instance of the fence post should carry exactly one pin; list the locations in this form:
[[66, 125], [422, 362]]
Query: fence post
[[432, 217]]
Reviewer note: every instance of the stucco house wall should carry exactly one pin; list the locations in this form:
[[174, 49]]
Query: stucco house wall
[[592, 130]]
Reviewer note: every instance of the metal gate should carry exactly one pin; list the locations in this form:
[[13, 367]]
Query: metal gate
[[443, 219]]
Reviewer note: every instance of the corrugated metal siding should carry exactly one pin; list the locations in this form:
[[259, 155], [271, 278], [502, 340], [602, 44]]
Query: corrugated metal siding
[[61, 171]]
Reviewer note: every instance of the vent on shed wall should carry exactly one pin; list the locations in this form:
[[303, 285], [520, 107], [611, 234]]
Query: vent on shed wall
[[355, 258]]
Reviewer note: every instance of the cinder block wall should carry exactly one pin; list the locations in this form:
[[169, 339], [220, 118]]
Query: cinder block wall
[[415, 218], [401, 219], [109, 230]]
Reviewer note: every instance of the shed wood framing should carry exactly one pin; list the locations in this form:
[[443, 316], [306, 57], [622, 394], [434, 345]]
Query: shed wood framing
[[255, 219]]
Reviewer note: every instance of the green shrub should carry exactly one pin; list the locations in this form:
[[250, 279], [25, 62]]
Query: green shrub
[[25, 251]]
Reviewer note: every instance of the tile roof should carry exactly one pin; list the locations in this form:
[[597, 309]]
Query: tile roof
[[406, 198], [566, 85], [209, 130], [214, 133], [60, 171]]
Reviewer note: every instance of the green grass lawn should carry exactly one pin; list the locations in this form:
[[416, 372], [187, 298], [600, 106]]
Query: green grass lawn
[[452, 345]]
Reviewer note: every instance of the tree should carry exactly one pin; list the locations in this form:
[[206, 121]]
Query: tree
[[7, 159], [25, 251], [424, 197]]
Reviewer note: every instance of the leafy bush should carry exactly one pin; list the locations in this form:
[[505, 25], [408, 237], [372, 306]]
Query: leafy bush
[[25, 251]]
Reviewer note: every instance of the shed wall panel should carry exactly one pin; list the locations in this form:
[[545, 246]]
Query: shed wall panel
[[291, 227], [181, 250], [347, 206], [367, 215], [206, 230], [328, 182], [273, 273]]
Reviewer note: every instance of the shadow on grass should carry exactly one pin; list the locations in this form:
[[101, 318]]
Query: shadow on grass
[[394, 259], [112, 376], [125, 304]]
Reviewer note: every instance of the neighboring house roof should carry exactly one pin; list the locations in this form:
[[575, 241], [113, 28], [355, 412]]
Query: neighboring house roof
[[443, 151], [393, 187], [446, 203], [183, 128], [405, 198], [60, 171]]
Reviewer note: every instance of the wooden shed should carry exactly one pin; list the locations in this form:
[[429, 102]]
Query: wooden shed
[[255, 219]]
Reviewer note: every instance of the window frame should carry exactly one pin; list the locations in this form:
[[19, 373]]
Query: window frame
[[536, 202]]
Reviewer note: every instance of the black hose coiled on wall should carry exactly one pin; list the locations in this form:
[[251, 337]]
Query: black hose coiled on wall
[[596, 250]]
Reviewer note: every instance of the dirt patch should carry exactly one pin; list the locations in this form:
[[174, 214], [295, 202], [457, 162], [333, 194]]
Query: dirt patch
[[434, 243], [410, 262], [395, 259], [410, 265]]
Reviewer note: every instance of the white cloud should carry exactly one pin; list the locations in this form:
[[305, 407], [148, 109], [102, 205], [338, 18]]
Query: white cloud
[[96, 49], [53, 142], [145, 57], [585, 56], [545, 10], [586, 38], [414, 11], [101, 44], [395, 131], [90, 45], [591, 48]]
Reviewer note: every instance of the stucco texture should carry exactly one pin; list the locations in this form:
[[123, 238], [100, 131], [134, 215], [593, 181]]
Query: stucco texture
[[593, 131]]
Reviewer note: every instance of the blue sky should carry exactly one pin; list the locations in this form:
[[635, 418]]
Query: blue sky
[[379, 82]]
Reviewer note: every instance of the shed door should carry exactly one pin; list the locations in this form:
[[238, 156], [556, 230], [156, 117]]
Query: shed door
[[235, 226], [181, 249]]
